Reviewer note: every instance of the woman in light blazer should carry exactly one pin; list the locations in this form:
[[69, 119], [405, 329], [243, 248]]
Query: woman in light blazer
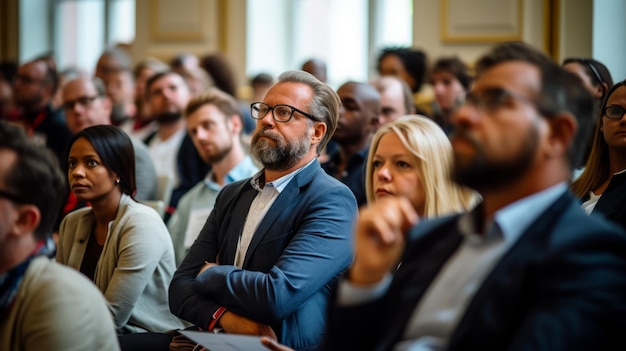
[[122, 245]]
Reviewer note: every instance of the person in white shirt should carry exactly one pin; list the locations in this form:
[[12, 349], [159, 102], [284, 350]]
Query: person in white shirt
[[215, 124], [170, 146]]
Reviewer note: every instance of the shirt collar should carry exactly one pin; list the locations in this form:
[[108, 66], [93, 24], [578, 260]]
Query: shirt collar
[[279, 184], [240, 171], [512, 220]]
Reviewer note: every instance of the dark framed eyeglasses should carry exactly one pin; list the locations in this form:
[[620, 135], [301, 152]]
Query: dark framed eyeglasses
[[12, 197], [280, 113], [614, 112], [83, 101], [493, 99]]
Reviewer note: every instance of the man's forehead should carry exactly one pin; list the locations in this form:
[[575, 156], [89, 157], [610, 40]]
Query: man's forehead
[[79, 87], [290, 93], [516, 75], [37, 67], [169, 79]]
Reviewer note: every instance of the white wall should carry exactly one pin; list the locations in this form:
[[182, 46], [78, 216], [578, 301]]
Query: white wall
[[609, 36], [34, 25]]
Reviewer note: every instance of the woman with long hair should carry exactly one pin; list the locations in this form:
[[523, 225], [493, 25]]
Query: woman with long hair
[[602, 184], [120, 244], [412, 157]]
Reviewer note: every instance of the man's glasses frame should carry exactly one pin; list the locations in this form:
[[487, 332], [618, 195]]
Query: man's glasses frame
[[495, 98], [83, 101], [281, 113]]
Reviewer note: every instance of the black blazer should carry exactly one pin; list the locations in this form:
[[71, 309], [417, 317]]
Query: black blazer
[[561, 286], [612, 203]]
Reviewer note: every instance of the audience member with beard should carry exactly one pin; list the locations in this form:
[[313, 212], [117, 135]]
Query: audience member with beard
[[358, 118], [527, 269], [120, 89], [215, 125], [85, 104], [143, 124], [268, 257], [34, 88], [171, 147]]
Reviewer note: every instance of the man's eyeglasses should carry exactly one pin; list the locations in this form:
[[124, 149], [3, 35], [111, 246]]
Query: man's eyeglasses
[[12, 197], [493, 99], [83, 101], [280, 113], [614, 112]]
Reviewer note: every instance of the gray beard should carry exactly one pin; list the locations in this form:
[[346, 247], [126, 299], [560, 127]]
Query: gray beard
[[282, 156]]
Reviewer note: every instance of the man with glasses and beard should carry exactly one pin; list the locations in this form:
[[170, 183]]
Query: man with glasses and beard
[[171, 146], [268, 256], [527, 269], [34, 88]]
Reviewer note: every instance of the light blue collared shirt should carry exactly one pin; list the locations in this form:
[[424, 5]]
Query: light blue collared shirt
[[259, 207]]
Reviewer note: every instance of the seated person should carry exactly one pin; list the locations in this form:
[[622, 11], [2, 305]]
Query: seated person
[[44, 305], [122, 245]]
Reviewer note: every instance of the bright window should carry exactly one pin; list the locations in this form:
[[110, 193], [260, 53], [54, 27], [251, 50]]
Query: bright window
[[347, 34], [84, 29]]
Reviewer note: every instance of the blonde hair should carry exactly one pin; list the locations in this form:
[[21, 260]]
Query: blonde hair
[[433, 155]]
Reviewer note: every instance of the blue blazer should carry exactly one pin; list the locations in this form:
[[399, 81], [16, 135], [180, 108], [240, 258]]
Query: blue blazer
[[298, 250], [561, 287]]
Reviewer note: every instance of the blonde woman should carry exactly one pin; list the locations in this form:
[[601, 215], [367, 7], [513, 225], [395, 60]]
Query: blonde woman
[[412, 157]]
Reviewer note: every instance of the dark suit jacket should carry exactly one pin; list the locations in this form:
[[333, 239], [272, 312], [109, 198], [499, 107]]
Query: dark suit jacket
[[561, 286], [612, 203], [299, 248], [354, 176]]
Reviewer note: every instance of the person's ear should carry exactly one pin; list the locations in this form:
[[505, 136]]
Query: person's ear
[[563, 129], [319, 130], [27, 220], [107, 103], [236, 124], [600, 90]]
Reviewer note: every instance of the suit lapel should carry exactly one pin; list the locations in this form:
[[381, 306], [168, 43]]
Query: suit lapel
[[83, 232], [431, 244], [234, 227], [610, 203], [491, 304], [285, 199]]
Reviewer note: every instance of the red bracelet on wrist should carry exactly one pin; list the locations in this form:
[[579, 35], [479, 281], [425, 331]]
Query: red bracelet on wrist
[[217, 315]]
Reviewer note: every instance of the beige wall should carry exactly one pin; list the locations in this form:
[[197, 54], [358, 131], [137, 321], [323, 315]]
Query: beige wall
[[576, 29], [165, 28], [427, 34], [9, 30], [221, 25]]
